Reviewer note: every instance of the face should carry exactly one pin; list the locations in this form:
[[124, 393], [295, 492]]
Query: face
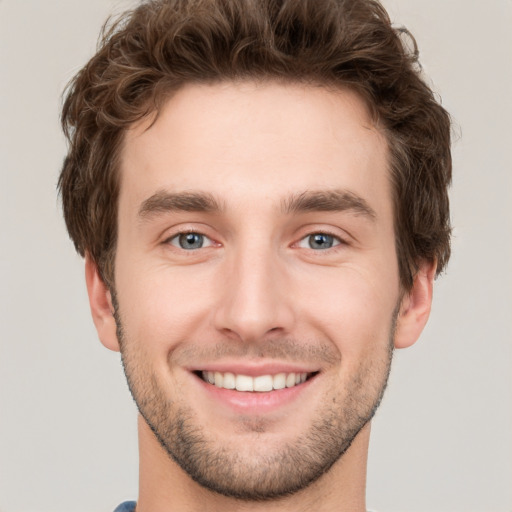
[[256, 280]]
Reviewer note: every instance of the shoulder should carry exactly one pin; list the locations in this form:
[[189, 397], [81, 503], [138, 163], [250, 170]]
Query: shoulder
[[127, 506]]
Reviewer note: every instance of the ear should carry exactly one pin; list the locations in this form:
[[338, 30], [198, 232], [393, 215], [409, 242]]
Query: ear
[[102, 310], [415, 306]]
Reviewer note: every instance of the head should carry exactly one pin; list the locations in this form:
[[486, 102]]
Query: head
[[155, 50], [188, 115]]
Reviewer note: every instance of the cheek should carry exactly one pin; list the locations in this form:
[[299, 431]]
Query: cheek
[[353, 309], [161, 305]]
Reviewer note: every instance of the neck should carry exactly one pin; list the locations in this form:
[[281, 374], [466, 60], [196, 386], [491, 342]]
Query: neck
[[165, 487]]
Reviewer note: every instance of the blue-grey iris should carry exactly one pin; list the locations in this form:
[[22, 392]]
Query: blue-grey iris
[[321, 241], [189, 241]]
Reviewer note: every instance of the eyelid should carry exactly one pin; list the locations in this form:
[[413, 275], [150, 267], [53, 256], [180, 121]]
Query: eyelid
[[337, 239], [314, 228], [211, 242], [175, 233], [208, 242]]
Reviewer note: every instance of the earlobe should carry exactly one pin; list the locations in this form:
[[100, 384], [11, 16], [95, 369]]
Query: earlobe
[[102, 310], [415, 307]]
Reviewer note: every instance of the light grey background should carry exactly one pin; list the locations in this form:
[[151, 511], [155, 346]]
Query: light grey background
[[442, 440]]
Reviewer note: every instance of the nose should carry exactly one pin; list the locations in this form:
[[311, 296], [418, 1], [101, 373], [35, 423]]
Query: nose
[[255, 298]]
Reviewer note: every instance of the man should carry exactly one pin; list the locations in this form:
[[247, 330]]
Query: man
[[259, 188]]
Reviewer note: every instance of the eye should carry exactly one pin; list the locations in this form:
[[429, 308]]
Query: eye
[[190, 241], [319, 241]]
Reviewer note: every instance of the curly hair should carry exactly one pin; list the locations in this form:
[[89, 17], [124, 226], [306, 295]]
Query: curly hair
[[158, 47]]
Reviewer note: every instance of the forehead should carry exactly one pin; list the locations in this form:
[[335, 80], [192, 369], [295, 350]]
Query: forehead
[[242, 140]]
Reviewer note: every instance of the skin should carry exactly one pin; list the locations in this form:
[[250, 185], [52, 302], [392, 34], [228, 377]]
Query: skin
[[256, 296]]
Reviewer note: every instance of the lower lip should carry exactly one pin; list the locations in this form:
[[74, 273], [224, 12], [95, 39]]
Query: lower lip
[[254, 402]]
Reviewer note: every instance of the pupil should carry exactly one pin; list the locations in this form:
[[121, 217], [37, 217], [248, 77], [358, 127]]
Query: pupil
[[191, 241], [321, 241]]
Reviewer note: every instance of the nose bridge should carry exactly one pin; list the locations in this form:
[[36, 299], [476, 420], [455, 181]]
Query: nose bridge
[[254, 300]]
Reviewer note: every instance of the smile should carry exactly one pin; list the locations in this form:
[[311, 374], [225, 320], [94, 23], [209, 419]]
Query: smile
[[261, 383]]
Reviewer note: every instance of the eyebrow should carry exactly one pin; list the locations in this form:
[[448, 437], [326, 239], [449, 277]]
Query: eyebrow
[[328, 201], [163, 201], [309, 201]]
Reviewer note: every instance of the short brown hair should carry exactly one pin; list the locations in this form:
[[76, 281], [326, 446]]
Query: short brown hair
[[163, 44]]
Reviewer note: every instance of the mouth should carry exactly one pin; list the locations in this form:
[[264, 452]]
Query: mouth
[[256, 384]]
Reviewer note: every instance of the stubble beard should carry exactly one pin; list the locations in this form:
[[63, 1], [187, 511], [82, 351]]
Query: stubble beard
[[257, 476]]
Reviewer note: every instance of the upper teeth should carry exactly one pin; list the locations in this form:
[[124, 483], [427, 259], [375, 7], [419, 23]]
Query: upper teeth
[[261, 383]]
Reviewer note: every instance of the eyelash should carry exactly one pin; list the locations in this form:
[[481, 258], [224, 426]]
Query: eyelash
[[338, 240], [188, 232]]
